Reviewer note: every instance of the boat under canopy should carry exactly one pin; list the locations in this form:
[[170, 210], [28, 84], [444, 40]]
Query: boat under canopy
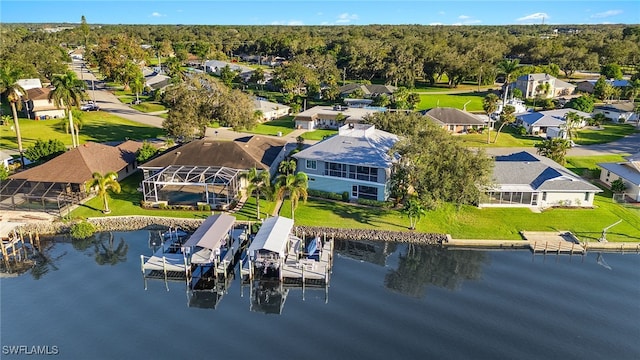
[[273, 236], [207, 240]]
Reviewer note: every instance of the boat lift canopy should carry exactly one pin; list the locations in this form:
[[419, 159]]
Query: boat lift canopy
[[273, 236], [212, 232]]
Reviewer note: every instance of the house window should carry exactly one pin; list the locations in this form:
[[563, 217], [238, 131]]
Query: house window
[[544, 196], [367, 192], [586, 196], [311, 164]]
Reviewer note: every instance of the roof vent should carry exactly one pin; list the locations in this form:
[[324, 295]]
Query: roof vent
[[178, 152]]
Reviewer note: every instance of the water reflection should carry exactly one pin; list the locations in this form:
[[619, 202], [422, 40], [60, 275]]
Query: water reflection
[[268, 297], [106, 253], [375, 252], [421, 266]]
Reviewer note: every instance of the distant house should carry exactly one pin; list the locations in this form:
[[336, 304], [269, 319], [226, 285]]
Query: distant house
[[38, 106], [270, 110], [28, 84], [369, 91], [208, 171], [355, 161], [628, 171], [332, 117], [216, 66], [155, 79], [538, 123], [623, 111], [526, 180], [587, 86], [62, 181], [533, 85], [454, 120]]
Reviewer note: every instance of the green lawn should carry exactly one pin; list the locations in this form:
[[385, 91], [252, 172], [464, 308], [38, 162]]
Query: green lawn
[[284, 125], [318, 134], [98, 126], [428, 101], [611, 132], [586, 165], [148, 107], [507, 138]]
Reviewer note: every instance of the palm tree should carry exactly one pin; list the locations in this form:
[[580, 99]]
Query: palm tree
[[68, 92], [108, 181], [555, 149], [13, 91], [572, 122], [490, 105], [506, 117], [137, 86], [414, 210], [260, 183], [287, 167], [294, 184], [507, 67]]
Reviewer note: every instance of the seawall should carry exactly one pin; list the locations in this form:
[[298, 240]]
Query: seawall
[[131, 223]]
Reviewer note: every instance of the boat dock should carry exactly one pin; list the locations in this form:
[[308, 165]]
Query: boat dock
[[277, 253]]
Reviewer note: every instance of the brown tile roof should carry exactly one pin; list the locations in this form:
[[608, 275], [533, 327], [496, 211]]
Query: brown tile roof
[[243, 153], [38, 93], [78, 165]]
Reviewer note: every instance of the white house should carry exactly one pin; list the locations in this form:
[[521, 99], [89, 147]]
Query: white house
[[623, 111], [526, 180], [355, 161], [628, 171], [533, 85], [332, 117], [538, 123], [38, 106], [270, 110]]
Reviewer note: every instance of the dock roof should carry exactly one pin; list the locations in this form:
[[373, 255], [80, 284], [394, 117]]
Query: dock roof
[[212, 231], [273, 235]]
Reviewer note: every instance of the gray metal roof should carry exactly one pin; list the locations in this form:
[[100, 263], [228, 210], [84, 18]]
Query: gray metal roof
[[272, 236], [623, 170], [366, 148], [212, 231], [453, 116], [541, 174], [549, 118]]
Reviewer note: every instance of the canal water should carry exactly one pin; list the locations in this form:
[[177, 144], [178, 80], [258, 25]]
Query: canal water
[[87, 300]]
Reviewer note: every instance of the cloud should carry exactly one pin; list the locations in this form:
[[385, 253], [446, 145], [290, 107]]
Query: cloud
[[289, 23], [606, 14], [346, 18], [462, 17], [156, 14], [534, 16], [435, 24]]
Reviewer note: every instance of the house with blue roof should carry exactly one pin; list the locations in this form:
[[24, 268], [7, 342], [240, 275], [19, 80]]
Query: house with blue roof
[[355, 161], [524, 179], [588, 86], [618, 112], [538, 123], [628, 171]]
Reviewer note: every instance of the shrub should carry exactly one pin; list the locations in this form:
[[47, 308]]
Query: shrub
[[345, 196], [522, 130], [45, 150], [82, 230], [146, 152], [375, 203], [327, 195], [204, 207], [162, 206]]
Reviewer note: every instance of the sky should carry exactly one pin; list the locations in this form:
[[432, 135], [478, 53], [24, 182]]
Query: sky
[[322, 12]]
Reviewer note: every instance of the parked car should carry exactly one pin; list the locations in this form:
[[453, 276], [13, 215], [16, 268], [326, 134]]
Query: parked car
[[90, 107]]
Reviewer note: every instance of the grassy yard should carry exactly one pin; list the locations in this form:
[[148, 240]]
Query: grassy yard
[[586, 165], [474, 100], [284, 125], [98, 126], [318, 134], [148, 107], [611, 132]]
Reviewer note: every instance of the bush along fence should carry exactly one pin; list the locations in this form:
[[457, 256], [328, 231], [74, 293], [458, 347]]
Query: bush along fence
[[131, 223]]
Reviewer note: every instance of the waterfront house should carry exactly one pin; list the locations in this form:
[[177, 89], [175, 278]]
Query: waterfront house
[[332, 117], [628, 171], [454, 120], [208, 171], [543, 85], [62, 181], [524, 179], [355, 161]]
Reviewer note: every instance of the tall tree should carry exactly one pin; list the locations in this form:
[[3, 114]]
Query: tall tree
[[572, 121], [137, 85], [104, 183], [490, 105], [68, 92], [84, 31], [507, 117], [555, 149], [295, 185], [258, 182], [13, 91], [415, 210]]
